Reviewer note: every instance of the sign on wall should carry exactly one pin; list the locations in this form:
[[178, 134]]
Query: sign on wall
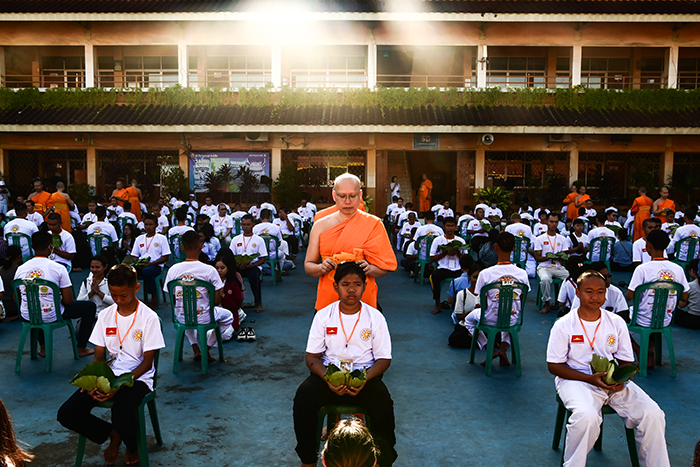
[[426, 140], [201, 163]]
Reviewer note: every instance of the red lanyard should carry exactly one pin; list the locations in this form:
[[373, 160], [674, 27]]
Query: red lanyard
[[590, 342], [245, 245], [119, 336], [504, 262], [552, 243], [148, 245], [340, 316]]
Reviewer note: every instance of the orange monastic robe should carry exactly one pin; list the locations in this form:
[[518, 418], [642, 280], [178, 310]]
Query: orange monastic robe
[[582, 201], [423, 191], [123, 193], [363, 236], [61, 207], [668, 203], [133, 197], [641, 208], [42, 203], [571, 210], [332, 210]]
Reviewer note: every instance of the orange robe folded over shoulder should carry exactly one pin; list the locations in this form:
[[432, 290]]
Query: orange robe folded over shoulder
[[361, 237], [61, 207], [667, 203], [571, 210], [641, 208], [332, 210], [42, 202]]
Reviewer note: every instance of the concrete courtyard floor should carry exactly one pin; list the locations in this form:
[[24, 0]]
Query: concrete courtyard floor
[[448, 413]]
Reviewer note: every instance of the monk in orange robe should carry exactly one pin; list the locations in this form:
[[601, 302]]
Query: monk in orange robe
[[40, 198], [62, 204], [349, 234], [641, 209], [579, 201], [571, 210], [424, 192], [134, 195], [121, 194], [663, 205]]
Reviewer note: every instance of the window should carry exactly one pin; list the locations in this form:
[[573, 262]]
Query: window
[[63, 72], [525, 169], [616, 176], [563, 78], [320, 168], [605, 73], [239, 71], [688, 72], [516, 72], [652, 70], [148, 71], [328, 70]]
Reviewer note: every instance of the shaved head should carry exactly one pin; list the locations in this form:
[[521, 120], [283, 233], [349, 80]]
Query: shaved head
[[346, 180], [60, 185], [347, 193]]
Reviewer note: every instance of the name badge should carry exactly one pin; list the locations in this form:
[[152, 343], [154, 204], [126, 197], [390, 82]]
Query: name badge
[[577, 339], [331, 331]]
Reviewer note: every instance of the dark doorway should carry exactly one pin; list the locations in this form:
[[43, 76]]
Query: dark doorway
[[441, 168]]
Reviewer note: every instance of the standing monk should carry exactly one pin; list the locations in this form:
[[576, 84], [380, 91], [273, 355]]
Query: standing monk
[[579, 201], [641, 209], [40, 198], [348, 235], [424, 192], [134, 195], [663, 205], [120, 193], [62, 204], [569, 201]]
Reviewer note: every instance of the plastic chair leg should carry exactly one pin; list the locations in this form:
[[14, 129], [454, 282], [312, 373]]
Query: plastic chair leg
[[658, 348], [472, 353], [20, 349], [74, 340], [515, 352], [48, 344], [141, 440], [489, 351], [153, 413], [179, 338], [558, 426], [81, 451], [643, 353], [632, 447], [202, 339], [220, 343], [34, 344], [671, 353]]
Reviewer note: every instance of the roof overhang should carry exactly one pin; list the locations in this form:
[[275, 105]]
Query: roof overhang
[[444, 129]]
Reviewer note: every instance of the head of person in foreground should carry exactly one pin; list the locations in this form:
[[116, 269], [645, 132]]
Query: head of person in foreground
[[350, 444]]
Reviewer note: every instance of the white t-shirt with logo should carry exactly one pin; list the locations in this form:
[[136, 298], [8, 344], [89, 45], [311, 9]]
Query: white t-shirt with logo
[[128, 215], [113, 212], [551, 244], [596, 233], [388, 208], [89, 217], [179, 230], [368, 343], [539, 228], [446, 212], [268, 228], [639, 251], [567, 292], [614, 298], [396, 212], [477, 225], [407, 227], [36, 218], [154, 247], [568, 342], [652, 271], [429, 229], [191, 270], [242, 245], [23, 226], [282, 225], [210, 211], [690, 230], [491, 212], [221, 224], [294, 217], [103, 228], [269, 206], [139, 332], [519, 229], [464, 222], [501, 273], [67, 245], [447, 262], [43, 268]]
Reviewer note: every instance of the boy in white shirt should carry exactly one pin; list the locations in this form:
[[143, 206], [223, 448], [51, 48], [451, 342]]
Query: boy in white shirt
[[127, 214], [446, 211], [163, 224], [101, 227], [156, 248], [265, 227], [429, 228], [688, 230], [20, 224], [193, 269], [572, 342], [208, 208], [180, 228], [579, 240], [397, 211], [32, 215], [89, 216], [639, 248], [222, 223], [601, 231], [405, 231], [192, 205], [518, 229], [670, 221], [270, 206], [548, 269], [248, 243], [476, 229], [66, 252], [590, 212], [352, 335], [254, 211], [611, 217], [541, 226], [114, 210], [285, 223], [447, 261], [131, 333]]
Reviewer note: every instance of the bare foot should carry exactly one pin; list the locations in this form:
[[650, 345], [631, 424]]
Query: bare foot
[[436, 310], [197, 353], [650, 359], [112, 450], [210, 358], [85, 351], [495, 354], [259, 308], [547, 308], [131, 457], [42, 351], [503, 359]]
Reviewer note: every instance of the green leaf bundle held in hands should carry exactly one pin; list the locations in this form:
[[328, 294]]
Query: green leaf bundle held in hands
[[98, 375], [561, 256], [454, 245], [338, 377], [246, 259], [57, 242], [614, 373], [486, 226], [142, 262]]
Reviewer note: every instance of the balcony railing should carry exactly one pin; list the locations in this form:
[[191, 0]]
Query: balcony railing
[[527, 80], [412, 81], [52, 80], [624, 81], [129, 79], [233, 79], [326, 79]]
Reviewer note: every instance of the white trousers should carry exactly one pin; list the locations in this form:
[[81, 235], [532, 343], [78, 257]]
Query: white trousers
[[222, 316], [546, 273], [633, 405], [470, 323]]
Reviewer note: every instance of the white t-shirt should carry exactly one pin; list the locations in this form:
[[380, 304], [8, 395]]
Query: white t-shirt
[[539, 228], [615, 223], [521, 230], [465, 302], [501, 273], [368, 343], [238, 214], [113, 212], [583, 239], [43, 268], [36, 218], [179, 230], [476, 225], [464, 222], [652, 271], [242, 245], [567, 292], [396, 212], [639, 252], [690, 230], [23, 226], [481, 206], [666, 227], [192, 206], [86, 288], [436, 208], [128, 215], [221, 224], [254, 211], [614, 298], [89, 217], [594, 255], [67, 245], [282, 225], [446, 212], [210, 211], [388, 208], [411, 249], [551, 244], [536, 214], [139, 332], [590, 213], [308, 213], [407, 227], [269, 206], [404, 215], [568, 343], [297, 221], [191, 270], [103, 228], [154, 247], [428, 229], [267, 228], [491, 212], [447, 262]]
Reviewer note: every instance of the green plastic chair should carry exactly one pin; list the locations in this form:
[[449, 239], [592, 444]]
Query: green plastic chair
[[189, 304], [236, 227], [423, 260], [74, 223], [141, 440], [160, 282], [563, 418], [662, 290], [16, 238], [518, 257], [36, 320], [692, 253], [330, 412], [97, 242], [606, 247], [506, 290], [556, 285], [178, 254], [273, 262], [122, 221], [462, 230], [299, 227]]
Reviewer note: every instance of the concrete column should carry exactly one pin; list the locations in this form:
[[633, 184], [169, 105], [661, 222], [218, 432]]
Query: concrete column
[[4, 162], [673, 67], [89, 67], [480, 167], [371, 169], [667, 164], [573, 166], [185, 161], [381, 173], [2, 67], [481, 58], [372, 65], [276, 163], [182, 64], [92, 166], [576, 65], [276, 64]]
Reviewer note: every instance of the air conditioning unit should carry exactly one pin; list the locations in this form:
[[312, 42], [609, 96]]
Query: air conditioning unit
[[559, 138], [256, 136]]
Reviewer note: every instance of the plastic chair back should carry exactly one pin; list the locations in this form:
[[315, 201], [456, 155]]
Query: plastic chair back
[[122, 221], [462, 229], [519, 255], [273, 262], [17, 238], [32, 288], [97, 242], [506, 296], [236, 227], [424, 254], [662, 290], [74, 223], [606, 246], [692, 250], [179, 254], [188, 289]]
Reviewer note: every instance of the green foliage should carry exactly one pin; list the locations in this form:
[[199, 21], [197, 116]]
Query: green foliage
[[81, 193], [98, 375], [367, 201], [175, 181], [287, 187], [496, 195], [248, 183], [614, 373], [246, 259]]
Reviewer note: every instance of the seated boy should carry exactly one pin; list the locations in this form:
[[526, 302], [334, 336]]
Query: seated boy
[[447, 261], [155, 247], [130, 332], [572, 342], [353, 334], [689, 316], [192, 269]]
